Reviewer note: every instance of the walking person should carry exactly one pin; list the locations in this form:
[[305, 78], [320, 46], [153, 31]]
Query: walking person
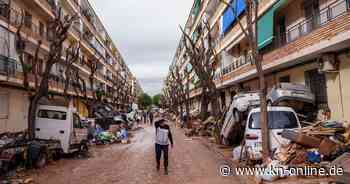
[[163, 137], [144, 117], [151, 117]]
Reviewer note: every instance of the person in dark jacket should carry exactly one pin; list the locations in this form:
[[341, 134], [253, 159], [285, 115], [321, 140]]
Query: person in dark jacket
[[163, 137], [150, 117], [144, 117]]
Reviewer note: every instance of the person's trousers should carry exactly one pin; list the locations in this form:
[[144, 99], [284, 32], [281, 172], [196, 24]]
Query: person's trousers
[[159, 150]]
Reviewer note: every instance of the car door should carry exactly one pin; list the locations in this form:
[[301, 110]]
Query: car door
[[79, 132]]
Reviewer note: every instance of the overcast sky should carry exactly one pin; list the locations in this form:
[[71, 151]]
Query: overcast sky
[[146, 33]]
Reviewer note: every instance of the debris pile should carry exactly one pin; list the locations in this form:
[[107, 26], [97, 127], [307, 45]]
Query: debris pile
[[205, 128], [322, 141], [320, 145]]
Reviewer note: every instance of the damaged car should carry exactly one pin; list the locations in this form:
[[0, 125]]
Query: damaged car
[[297, 96], [236, 115], [280, 118]]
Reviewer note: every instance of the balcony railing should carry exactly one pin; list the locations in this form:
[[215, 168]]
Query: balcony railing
[[237, 63], [7, 66], [313, 22], [14, 17]]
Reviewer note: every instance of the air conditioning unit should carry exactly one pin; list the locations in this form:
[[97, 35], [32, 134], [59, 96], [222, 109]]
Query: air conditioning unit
[[328, 63]]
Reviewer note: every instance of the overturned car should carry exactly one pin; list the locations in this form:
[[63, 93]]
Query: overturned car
[[297, 96], [236, 115]]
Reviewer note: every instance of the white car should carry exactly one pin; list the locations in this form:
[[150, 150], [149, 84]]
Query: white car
[[236, 115], [280, 118]]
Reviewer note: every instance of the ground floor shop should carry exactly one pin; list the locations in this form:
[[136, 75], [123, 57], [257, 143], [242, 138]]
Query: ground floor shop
[[14, 105]]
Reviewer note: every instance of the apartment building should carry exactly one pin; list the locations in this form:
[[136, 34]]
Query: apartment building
[[302, 41], [95, 43]]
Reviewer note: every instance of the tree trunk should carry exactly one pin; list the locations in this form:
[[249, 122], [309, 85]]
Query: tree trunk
[[204, 106], [32, 114], [214, 96], [264, 116], [181, 111]]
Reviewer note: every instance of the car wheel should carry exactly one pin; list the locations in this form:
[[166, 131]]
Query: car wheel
[[269, 103], [57, 154], [41, 161], [84, 150]]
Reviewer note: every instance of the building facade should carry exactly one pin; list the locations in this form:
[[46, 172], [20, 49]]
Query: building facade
[[302, 41], [94, 41]]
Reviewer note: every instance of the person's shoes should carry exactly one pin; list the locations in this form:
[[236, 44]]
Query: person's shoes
[[158, 167], [166, 172]]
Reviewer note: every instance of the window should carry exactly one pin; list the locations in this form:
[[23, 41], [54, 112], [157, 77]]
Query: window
[[277, 120], [4, 106], [317, 83], [311, 10], [76, 121], [50, 114], [284, 79], [41, 29], [27, 19], [4, 9]]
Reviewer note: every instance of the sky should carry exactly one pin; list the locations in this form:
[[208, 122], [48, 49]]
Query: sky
[[147, 33]]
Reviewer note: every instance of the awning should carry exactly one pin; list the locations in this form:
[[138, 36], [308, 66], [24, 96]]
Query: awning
[[229, 17], [266, 24], [197, 7]]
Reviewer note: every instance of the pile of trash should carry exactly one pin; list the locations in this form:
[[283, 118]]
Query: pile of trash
[[10, 139], [325, 144], [12, 150], [322, 141], [205, 128], [115, 134]]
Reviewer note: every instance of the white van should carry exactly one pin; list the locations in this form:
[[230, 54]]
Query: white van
[[63, 124], [280, 118]]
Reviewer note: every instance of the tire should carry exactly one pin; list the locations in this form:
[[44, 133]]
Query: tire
[[42, 160], [269, 103], [57, 154], [83, 150]]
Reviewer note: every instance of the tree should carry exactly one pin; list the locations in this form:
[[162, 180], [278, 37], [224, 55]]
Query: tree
[[251, 33], [202, 57], [71, 75], [156, 100], [182, 91], [92, 64], [58, 30], [145, 101]]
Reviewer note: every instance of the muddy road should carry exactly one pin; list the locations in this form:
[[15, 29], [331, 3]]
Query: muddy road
[[190, 162]]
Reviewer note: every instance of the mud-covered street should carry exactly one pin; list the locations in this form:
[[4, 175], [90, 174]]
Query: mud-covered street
[[190, 162]]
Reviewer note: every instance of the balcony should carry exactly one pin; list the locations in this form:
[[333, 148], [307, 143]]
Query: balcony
[[318, 20], [7, 66], [327, 24], [14, 18], [50, 4], [237, 63], [88, 16]]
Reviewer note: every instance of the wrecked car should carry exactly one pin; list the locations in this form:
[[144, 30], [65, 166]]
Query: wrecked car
[[236, 115], [297, 96], [63, 124], [280, 118]]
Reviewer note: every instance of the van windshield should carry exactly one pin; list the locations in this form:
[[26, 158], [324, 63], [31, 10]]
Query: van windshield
[[277, 120], [50, 114]]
